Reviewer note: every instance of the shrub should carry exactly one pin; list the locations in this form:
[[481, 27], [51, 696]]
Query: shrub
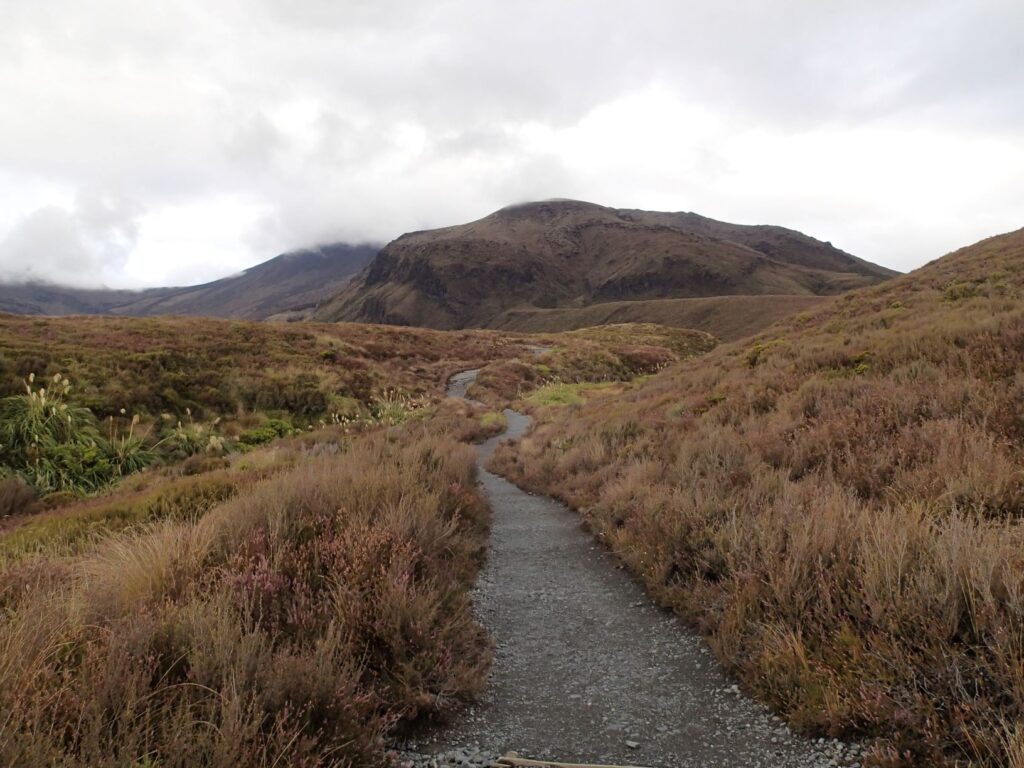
[[16, 497], [271, 429], [294, 624], [394, 407]]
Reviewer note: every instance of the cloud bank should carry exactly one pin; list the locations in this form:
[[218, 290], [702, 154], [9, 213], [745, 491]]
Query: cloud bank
[[146, 144]]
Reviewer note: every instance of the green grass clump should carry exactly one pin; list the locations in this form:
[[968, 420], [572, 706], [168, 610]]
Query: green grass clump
[[493, 420], [271, 429], [55, 445], [555, 394]]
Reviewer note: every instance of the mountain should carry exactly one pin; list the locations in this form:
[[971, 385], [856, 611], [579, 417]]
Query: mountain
[[46, 299], [289, 285], [572, 254]]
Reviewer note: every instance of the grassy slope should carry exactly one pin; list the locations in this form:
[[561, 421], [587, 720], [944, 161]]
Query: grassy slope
[[836, 503], [725, 317], [222, 367]]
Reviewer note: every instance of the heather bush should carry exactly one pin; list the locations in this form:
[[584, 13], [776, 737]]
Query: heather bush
[[294, 624]]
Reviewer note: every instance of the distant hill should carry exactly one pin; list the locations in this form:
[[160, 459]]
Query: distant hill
[[289, 285], [566, 254]]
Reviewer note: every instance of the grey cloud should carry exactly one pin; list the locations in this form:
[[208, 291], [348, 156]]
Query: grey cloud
[[84, 246], [363, 118]]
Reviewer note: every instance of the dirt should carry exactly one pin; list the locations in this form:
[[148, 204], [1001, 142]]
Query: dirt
[[587, 669]]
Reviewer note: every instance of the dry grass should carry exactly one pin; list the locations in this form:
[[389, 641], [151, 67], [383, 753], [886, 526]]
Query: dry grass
[[294, 624], [726, 317], [592, 355], [16, 498], [224, 368], [837, 504]]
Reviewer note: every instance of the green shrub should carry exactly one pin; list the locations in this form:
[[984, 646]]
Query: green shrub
[[56, 446], [394, 407], [271, 429]]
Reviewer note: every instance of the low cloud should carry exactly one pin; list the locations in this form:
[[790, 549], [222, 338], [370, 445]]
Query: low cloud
[[87, 245], [233, 132]]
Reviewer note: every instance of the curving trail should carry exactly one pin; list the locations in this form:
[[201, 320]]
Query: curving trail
[[587, 669]]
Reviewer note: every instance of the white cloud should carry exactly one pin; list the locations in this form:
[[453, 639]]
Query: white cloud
[[85, 244], [233, 130]]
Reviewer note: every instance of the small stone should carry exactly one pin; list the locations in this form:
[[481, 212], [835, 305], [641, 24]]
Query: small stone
[[633, 744]]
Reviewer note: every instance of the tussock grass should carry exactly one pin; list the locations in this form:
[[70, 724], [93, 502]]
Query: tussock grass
[[294, 624], [837, 504]]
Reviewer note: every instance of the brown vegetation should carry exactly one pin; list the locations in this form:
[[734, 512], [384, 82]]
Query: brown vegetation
[[590, 355], [725, 317], [16, 498], [224, 368], [317, 608], [837, 504]]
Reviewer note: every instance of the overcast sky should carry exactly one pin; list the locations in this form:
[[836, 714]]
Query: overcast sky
[[171, 143]]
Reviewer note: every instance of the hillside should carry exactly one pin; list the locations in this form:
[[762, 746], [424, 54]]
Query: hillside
[[289, 283], [836, 503], [570, 254], [54, 300], [726, 317], [228, 369]]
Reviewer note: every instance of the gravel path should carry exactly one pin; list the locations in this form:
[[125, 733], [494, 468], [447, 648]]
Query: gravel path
[[587, 669]]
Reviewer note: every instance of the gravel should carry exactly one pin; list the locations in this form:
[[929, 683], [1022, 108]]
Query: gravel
[[587, 669]]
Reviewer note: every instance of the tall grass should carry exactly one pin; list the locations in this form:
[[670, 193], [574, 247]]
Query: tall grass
[[295, 624], [837, 505]]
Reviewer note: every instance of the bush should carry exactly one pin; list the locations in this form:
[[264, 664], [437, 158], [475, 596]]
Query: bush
[[52, 444], [56, 446], [16, 497], [300, 394], [295, 624], [271, 429]]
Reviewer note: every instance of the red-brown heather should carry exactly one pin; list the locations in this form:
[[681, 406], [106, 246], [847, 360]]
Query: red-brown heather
[[297, 623], [226, 367], [288, 603], [836, 503]]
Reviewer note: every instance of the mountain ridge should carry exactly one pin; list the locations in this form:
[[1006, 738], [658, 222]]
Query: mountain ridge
[[571, 254], [292, 282]]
